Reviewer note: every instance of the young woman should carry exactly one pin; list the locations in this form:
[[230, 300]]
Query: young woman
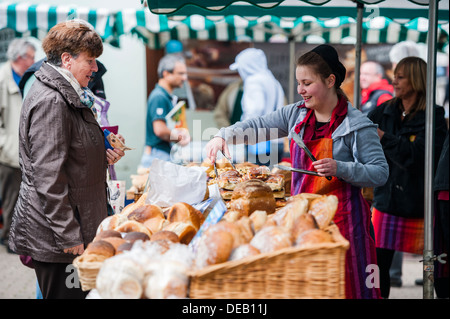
[[399, 204], [347, 147]]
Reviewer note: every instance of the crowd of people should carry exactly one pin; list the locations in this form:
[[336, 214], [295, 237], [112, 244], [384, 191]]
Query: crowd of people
[[55, 196]]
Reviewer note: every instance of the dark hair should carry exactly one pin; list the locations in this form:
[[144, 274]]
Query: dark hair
[[73, 37], [318, 64]]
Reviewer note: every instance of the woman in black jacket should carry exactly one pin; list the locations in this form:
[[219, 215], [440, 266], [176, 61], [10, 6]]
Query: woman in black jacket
[[398, 206]]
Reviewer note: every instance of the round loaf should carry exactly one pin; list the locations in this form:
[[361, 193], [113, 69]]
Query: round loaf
[[98, 251], [146, 212], [133, 226], [165, 235], [183, 212], [313, 237], [133, 236], [243, 251], [234, 229], [107, 233], [252, 195], [213, 248], [115, 241], [272, 238]]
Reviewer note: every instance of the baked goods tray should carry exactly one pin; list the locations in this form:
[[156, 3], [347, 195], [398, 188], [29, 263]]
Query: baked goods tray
[[315, 272]]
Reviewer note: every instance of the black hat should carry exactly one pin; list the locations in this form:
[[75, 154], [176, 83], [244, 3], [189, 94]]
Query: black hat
[[330, 55]]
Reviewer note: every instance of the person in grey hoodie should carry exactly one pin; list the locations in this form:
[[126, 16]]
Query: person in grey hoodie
[[262, 94], [346, 146]]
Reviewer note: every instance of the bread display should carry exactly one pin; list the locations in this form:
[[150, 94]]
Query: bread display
[[252, 195]]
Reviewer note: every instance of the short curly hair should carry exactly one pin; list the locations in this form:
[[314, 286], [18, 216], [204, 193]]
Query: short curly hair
[[73, 37]]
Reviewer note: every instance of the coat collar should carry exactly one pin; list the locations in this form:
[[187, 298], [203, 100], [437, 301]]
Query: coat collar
[[52, 78]]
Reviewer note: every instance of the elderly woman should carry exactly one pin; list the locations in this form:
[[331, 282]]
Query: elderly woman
[[399, 204], [63, 195]]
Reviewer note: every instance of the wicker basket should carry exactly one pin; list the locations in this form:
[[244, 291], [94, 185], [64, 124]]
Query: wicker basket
[[87, 272], [289, 273]]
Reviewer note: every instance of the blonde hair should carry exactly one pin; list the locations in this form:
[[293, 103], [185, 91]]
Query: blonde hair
[[415, 70]]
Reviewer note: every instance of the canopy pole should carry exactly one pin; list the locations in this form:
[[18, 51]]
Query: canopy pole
[[428, 264], [291, 68], [356, 84]]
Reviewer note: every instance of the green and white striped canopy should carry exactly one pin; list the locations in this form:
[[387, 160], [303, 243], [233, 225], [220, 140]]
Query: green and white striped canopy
[[37, 19], [156, 30]]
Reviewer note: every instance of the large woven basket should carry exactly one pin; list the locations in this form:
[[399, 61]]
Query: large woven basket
[[290, 273], [87, 272]]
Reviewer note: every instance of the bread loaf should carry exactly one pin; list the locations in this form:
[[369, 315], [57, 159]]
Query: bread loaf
[[214, 247], [136, 235], [145, 212], [303, 223], [236, 231], [258, 218], [156, 224], [272, 238], [115, 241], [183, 212], [165, 235], [107, 233], [98, 251], [287, 215], [243, 251], [313, 237], [133, 226], [252, 195], [323, 209], [124, 247], [166, 280], [184, 231]]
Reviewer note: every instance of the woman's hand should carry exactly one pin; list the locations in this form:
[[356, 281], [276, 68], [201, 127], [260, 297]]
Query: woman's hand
[[114, 155], [215, 145], [380, 133], [77, 250], [326, 167]]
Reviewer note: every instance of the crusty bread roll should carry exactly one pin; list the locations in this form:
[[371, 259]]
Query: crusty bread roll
[[115, 241], [184, 231], [258, 219], [252, 195], [136, 235], [111, 222], [287, 215], [236, 231], [231, 215], [133, 226], [131, 207], [243, 251], [303, 223], [165, 235], [245, 225], [214, 247], [272, 238], [313, 237], [107, 233], [308, 196], [156, 224], [324, 209], [183, 212], [145, 212], [98, 251]]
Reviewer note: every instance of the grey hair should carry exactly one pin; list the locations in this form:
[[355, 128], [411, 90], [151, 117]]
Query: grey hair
[[378, 67], [167, 63], [18, 48]]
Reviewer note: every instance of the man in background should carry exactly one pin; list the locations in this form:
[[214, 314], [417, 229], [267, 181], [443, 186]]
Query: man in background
[[375, 89], [20, 55]]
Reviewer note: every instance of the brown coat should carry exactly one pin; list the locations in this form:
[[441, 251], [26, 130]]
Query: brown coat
[[62, 154]]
